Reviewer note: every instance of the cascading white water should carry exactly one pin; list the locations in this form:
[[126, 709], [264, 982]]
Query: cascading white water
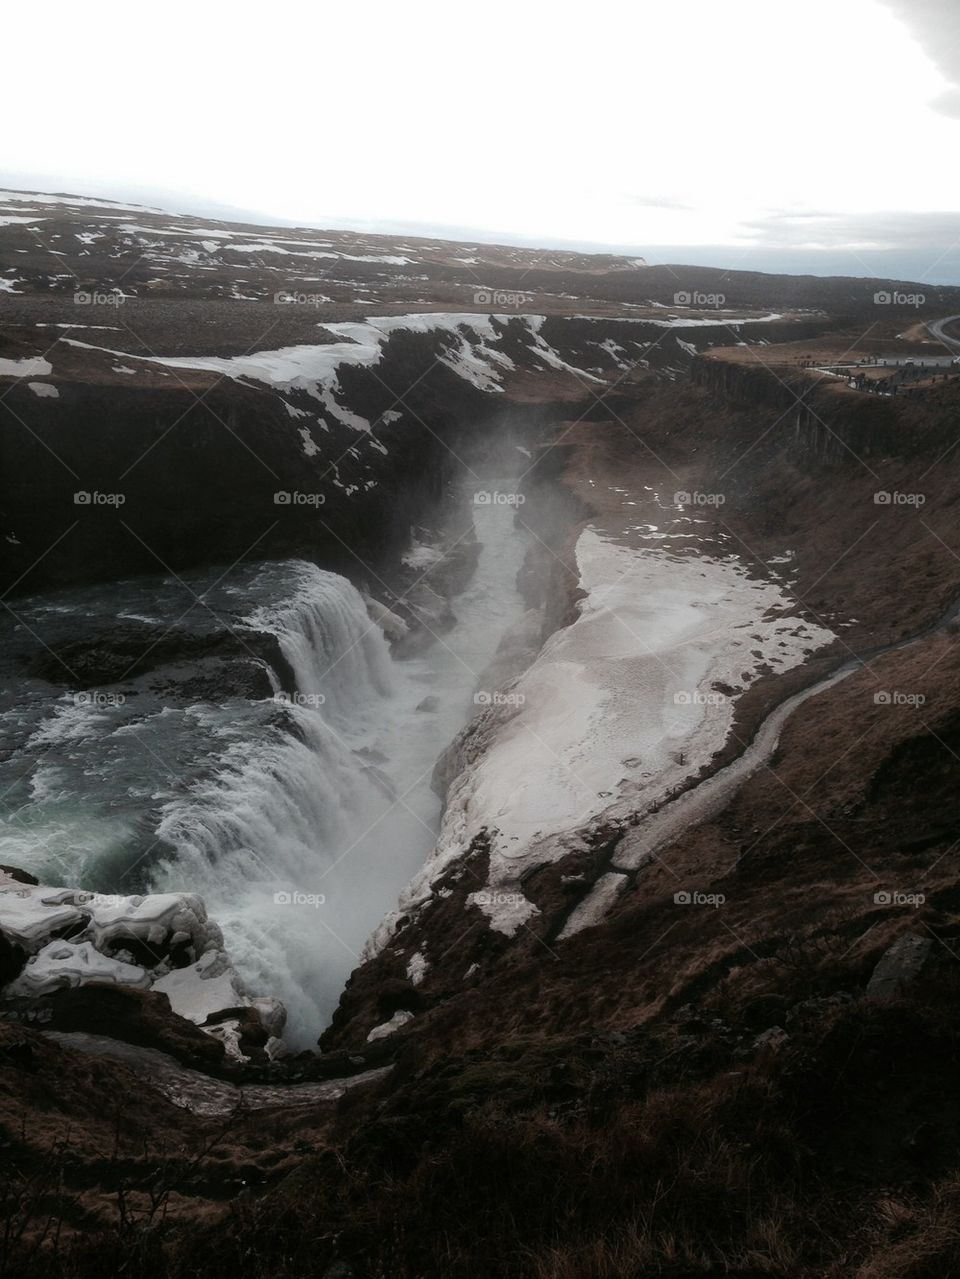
[[283, 816], [325, 634], [300, 839], [180, 782]]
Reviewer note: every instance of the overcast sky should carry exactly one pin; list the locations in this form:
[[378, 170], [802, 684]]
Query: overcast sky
[[823, 132]]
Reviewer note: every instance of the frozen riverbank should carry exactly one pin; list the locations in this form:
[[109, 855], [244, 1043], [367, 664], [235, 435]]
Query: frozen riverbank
[[620, 708]]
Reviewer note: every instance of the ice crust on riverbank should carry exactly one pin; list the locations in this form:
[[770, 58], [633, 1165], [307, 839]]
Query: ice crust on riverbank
[[618, 710], [161, 941]]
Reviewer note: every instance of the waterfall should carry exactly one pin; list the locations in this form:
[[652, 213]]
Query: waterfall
[[334, 649], [287, 811], [298, 816]]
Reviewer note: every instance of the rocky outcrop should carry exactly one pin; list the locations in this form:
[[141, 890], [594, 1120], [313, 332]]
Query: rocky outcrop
[[64, 939], [130, 649], [899, 966]]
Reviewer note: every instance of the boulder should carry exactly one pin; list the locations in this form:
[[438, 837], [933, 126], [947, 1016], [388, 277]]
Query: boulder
[[771, 1040], [135, 1017], [18, 876], [899, 966]]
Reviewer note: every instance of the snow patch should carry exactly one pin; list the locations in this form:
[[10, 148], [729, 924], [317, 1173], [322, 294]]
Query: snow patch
[[399, 1018], [26, 366], [309, 444], [417, 968], [594, 907]]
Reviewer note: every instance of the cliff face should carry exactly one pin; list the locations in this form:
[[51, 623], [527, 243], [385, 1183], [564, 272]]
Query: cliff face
[[828, 420], [172, 468], [116, 462]]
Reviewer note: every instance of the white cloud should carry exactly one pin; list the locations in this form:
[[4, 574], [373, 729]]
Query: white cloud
[[627, 123]]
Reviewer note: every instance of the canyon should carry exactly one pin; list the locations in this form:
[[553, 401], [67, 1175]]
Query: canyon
[[479, 759]]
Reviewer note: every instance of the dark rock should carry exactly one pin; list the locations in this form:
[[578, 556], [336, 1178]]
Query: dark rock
[[771, 1040], [136, 648], [217, 678], [899, 966], [144, 1018], [396, 994], [20, 876], [252, 1032], [339, 1270], [812, 1009], [764, 1011], [919, 1142], [13, 958], [20, 1054]]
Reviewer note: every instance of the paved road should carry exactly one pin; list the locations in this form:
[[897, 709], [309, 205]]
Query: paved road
[[935, 329], [899, 361]]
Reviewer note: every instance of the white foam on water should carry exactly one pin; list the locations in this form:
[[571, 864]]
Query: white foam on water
[[302, 837]]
